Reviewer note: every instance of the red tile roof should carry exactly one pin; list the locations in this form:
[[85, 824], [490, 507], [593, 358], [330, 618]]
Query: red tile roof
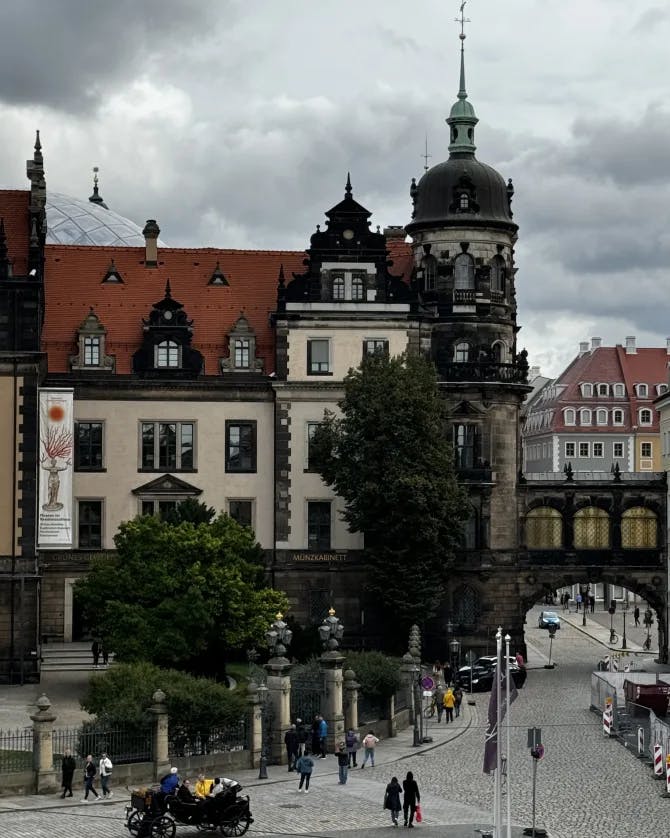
[[73, 283], [14, 210]]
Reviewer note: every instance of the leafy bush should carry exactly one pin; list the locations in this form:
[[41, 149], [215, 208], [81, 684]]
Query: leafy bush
[[377, 673]]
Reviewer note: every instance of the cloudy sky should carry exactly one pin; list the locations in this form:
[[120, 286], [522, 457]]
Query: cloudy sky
[[234, 123]]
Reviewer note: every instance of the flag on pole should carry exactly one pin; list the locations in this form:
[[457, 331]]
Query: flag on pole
[[491, 740]]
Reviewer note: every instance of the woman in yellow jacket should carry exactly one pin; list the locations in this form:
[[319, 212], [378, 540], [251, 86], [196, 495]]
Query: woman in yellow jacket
[[449, 701], [203, 787]]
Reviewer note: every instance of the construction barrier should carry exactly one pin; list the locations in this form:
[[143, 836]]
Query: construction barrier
[[667, 775], [640, 742], [658, 760], [608, 716]]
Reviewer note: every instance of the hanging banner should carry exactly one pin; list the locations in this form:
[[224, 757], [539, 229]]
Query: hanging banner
[[54, 511]]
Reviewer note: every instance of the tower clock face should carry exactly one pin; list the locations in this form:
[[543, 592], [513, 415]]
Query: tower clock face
[[348, 235], [167, 315]]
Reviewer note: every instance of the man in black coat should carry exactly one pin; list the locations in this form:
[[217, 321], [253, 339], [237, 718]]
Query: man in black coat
[[291, 742], [67, 767]]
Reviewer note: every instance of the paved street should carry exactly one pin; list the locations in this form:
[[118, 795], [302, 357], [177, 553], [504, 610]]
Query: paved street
[[587, 785]]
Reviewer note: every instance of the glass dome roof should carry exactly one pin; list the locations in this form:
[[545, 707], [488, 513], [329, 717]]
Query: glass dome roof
[[76, 221]]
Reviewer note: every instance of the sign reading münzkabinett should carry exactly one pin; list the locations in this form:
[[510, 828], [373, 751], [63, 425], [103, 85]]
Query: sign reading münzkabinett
[[307, 556], [54, 511]]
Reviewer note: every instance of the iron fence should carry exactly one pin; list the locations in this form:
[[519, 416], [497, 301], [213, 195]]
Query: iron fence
[[401, 702], [370, 709], [216, 740], [306, 690], [16, 750], [123, 745]]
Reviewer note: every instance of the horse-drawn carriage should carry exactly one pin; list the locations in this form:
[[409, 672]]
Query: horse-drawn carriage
[[154, 814]]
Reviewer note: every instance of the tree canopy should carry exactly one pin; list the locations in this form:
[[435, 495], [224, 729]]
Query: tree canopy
[[180, 594], [387, 455]]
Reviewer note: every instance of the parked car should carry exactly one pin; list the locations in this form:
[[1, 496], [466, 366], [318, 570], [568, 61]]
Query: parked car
[[483, 671], [548, 618]]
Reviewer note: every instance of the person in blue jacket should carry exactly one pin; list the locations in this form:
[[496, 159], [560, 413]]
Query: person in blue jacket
[[323, 734], [170, 782]]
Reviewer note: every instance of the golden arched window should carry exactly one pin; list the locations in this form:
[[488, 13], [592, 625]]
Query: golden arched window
[[592, 528], [544, 529], [638, 528]]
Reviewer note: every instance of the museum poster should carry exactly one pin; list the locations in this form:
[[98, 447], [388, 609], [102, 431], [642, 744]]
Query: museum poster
[[54, 511]]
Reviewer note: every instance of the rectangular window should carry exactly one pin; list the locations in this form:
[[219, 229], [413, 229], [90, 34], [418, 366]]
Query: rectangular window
[[645, 449], [598, 449], [617, 449], [569, 449], [372, 346], [242, 353], [167, 446], [318, 357], [88, 454], [318, 525], [583, 449], [311, 429], [617, 417], [242, 512], [91, 351], [89, 521], [159, 507], [240, 446]]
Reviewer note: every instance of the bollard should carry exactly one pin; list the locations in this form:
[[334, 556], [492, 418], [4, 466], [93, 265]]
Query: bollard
[[658, 760], [608, 716], [640, 742]]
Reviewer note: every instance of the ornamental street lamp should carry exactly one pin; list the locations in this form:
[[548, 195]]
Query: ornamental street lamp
[[584, 590], [455, 649], [331, 632], [278, 637], [252, 657]]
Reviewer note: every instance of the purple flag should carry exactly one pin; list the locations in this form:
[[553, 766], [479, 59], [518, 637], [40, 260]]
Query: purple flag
[[491, 741]]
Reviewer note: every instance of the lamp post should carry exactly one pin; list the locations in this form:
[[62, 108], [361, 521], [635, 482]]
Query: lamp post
[[278, 637], [611, 611], [455, 649], [625, 611], [584, 590], [263, 762], [331, 632]]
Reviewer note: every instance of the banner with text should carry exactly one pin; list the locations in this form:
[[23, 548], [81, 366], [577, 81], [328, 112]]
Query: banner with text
[[55, 480]]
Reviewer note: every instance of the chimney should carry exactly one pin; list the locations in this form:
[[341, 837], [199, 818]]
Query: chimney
[[151, 232], [630, 345], [583, 348], [533, 373], [596, 343], [395, 231]]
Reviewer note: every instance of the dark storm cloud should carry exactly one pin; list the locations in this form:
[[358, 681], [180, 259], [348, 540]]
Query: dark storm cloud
[[66, 54]]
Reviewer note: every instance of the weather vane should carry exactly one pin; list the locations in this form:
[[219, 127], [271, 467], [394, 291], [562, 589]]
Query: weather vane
[[426, 156], [462, 20]]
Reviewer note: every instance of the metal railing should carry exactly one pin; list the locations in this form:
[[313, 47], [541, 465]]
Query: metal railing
[[594, 476], [483, 371], [16, 750], [123, 745], [216, 740]]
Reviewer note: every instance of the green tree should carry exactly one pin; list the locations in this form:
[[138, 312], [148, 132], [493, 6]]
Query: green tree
[[190, 510], [389, 458], [181, 594]]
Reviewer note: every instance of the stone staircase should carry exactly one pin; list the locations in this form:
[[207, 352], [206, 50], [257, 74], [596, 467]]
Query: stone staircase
[[70, 657]]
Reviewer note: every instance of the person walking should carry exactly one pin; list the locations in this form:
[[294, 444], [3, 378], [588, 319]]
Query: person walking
[[392, 799], [411, 798], [291, 743], [369, 743], [458, 700], [68, 766], [105, 768], [352, 741], [438, 698], [343, 762], [592, 602], [95, 651], [104, 651], [89, 776], [301, 730], [578, 600], [323, 736], [449, 702], [305, 766], [448, 674], [636, 615]]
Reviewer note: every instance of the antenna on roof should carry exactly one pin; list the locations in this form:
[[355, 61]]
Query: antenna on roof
[[96, 198], [425, 154]]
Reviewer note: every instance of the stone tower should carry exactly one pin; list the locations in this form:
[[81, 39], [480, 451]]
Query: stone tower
[[463, 242]]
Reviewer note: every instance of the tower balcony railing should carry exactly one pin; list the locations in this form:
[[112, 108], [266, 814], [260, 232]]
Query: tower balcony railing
[[484, 371], [464, 296]]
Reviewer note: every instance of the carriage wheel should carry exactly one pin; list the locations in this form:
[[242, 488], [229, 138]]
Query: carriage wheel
[[133, 822], [238, 826], [163, 827]]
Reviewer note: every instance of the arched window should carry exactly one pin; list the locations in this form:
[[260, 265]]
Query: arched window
[[464, 273], [544, 529], [462, 353], [601, 416], [584, 416], [592, 529], [167, 354], [639, 529], [645, 416], [619, 390], [357, 287], [587, 389], [466, 446], [338, 287], [429, 273], [569, 416], [498, 274], [642, 391], [498, 352], [617, 417], [467, 608]]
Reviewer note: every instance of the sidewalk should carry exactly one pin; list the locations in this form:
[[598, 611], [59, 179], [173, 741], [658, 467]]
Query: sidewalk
[[598, 628]]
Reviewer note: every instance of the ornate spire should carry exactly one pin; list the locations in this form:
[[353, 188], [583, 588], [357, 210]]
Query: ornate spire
[[96, 198], [347, 188], [462, 118], [168, 290]]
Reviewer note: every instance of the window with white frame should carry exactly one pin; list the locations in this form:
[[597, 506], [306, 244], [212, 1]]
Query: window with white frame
[[587, 389], [601, 416], [358, 286], [617, 417], [166, 354], [338, 286], [584, 448], [161, 507], [584, 416], [617, 450], [318, 357], [598, 449], [603, 389], [462, 353], [645, 449], [661, 389], [642, 390], [167, 446], [347, 284], [242, 353], [569, 449], [619, 390], [569, 416], [375, 346], [645, 416], [92, 351]]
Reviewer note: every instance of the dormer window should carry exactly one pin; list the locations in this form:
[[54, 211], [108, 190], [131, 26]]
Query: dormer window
[[617, 417], [91, 351], [357, 287], [242, 343], [619, 390], [584, 417], [91, 337], [642, 390], [601, 416], [603, 389], [587, 390], [464, 202], [241, 353], [661, 389], [569, 416], [344, 284], [167, 354], [338, 286]]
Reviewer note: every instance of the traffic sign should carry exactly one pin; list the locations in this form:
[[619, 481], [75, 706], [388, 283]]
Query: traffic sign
[[537, 752], [427, 683]]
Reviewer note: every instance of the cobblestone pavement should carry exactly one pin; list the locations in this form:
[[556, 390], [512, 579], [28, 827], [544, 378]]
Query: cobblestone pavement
[[587, 785]]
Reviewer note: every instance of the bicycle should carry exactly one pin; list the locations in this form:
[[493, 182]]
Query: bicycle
[[647, 644], [430, 711], [614, 638]]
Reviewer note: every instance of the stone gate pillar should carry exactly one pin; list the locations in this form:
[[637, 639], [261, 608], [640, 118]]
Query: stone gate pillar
[[159, 735], [279, 686], [43, 719], [351, 687], [254, 729], [330, 663]]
